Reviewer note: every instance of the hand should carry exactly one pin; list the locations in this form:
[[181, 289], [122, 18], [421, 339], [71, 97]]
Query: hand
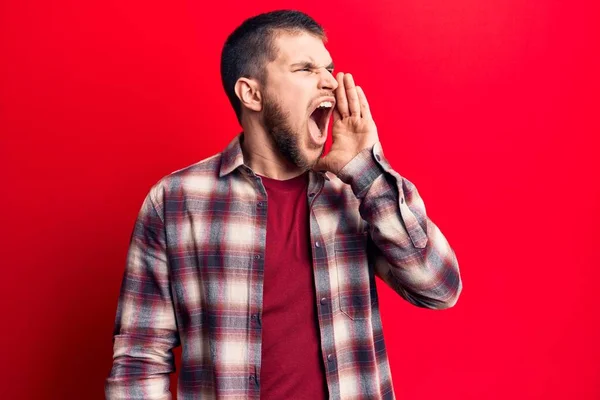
[[353, 127]]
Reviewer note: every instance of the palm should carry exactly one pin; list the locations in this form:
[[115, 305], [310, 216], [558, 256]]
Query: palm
[[353, 127]]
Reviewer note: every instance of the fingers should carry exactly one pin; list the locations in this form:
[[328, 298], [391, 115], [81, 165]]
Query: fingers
[[364, 104], [350, 99], [352, 95], [340, 96]]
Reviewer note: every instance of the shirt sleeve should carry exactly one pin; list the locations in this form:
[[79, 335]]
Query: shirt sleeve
[[145, 329], [409, 252]]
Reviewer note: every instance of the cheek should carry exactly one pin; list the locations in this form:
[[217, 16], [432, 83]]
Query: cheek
[[295, 103], [298, 114], [298, 103]]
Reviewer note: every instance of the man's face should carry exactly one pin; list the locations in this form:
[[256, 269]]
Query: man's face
[[298, 98]]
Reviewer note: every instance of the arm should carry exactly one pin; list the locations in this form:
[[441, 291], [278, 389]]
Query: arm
[[410, 253], [145, 329]]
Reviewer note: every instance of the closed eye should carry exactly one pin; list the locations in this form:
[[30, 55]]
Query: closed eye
[[311, 67]]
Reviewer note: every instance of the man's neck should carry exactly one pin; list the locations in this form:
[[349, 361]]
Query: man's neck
[[264, 159]]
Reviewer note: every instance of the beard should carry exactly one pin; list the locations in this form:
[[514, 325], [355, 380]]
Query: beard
[[285, 138]]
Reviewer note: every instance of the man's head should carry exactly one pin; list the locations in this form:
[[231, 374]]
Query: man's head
[[276, 72]]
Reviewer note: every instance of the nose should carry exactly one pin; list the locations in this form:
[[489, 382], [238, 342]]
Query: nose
[[327, 81]]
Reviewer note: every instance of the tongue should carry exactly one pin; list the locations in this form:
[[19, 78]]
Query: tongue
[[314, 130]]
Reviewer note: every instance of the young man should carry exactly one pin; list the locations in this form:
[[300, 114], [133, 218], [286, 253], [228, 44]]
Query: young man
[[261, 260]]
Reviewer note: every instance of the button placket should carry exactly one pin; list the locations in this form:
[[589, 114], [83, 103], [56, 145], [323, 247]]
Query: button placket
[[256, 319], [253, 377]]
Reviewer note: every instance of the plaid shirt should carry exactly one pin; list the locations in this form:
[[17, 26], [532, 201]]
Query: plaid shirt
[[194, 277]]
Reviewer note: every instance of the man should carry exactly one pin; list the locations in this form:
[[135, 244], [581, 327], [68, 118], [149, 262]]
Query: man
[[261, 260]]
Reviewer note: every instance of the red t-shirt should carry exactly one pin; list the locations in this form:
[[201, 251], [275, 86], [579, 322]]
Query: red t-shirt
[[292, 365]]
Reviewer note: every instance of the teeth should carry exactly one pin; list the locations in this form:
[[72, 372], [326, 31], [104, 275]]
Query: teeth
[[325, 104]]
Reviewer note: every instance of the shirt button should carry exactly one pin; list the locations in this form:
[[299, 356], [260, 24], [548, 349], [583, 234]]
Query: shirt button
[[324, 300], [311, 195], [257, 257], [317, 244], [330, 357], [260, 204]]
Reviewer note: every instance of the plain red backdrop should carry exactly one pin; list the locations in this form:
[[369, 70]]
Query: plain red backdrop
[[489, 108]]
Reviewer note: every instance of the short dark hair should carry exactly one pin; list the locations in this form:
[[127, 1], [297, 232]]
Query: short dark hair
[[252, 45]]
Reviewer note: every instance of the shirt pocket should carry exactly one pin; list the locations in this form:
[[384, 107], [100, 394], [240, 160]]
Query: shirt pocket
[[354, 275]]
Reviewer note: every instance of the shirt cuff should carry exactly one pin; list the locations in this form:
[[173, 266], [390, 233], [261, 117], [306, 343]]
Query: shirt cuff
[[363, 169]]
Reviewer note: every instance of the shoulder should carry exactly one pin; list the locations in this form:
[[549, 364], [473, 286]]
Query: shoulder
[[195, 179]]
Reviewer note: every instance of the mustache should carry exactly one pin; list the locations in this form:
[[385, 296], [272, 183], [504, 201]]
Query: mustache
[[325, 94]]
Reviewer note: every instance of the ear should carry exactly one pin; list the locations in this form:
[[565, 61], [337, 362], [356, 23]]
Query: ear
[[248, 91]]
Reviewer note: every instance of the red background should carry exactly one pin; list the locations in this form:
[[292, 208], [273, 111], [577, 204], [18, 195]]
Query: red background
[[490, 108]]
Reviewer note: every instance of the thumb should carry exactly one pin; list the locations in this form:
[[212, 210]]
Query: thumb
[[336, 115]]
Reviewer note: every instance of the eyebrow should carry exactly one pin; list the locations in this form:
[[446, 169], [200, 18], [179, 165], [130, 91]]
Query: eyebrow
[[309, 64]]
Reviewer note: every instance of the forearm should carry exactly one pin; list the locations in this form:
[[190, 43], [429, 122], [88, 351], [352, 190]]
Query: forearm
[[412, 255]]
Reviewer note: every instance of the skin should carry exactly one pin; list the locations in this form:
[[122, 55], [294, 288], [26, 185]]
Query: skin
[[277, 143]]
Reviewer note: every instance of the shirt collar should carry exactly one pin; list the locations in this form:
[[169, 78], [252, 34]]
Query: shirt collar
[[232, 157]]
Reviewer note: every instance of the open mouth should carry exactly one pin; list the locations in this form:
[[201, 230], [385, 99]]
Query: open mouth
[[319, 121]]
